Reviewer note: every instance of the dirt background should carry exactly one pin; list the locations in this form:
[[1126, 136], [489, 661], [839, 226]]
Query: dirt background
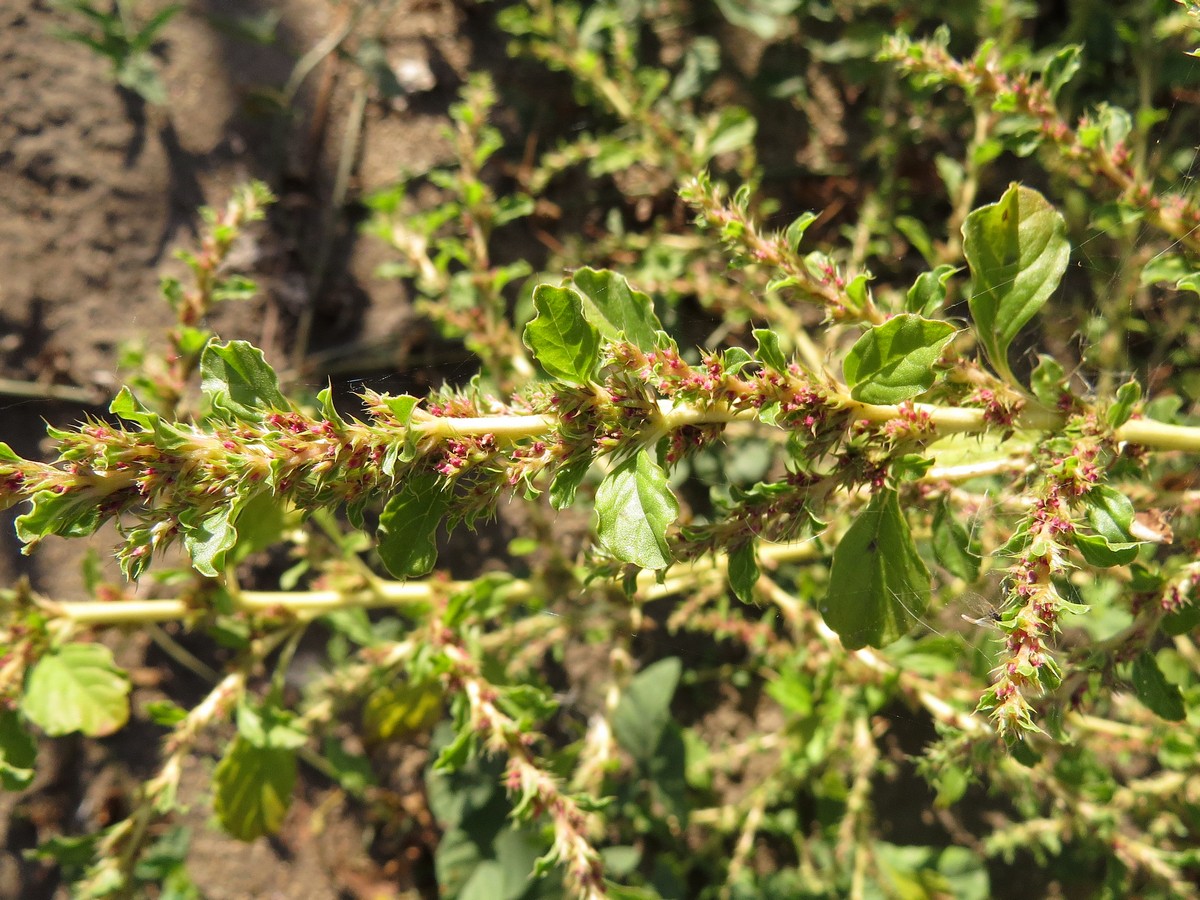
[[97, 190]]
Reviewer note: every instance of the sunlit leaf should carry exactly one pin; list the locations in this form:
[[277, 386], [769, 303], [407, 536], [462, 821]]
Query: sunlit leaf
[[1017, 250], [563, 341], [634, 509], [878, 584], [238, 381], [77, 687], [408, 525], [253, 788], [895, 361]]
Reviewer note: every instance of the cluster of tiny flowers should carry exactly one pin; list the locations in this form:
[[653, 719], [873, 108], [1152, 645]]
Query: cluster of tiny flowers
[[999, 410], [910, 423], [1028, 665]]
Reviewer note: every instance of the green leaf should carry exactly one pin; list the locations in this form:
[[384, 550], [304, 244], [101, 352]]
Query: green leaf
[[634, 509], [353, 771], [328, 409], [129, 408], [895, 361], [858, 291], [1114, 125], [765, 18], [77, 687], [238, 382], [270, 727], [917, 235], [1017, 250], [1061, 69], [18, 751], [666, 770], [731, 129], [208, 535], [253, 788], [1157, 694], [951, 172], [67, 515], [165, 861], [1167, 268], [1102, 553], [950, 782], [615, 309], [1048, 381], [568, 478], [952, 545], [144, 39], [645, 708], [562, 340], [878, 585], [1189, 283], [526, 705], [1181, 621], [401, 709], [408, 524], [166, 713], [260, 524], [794, 234], [69, 852], [402, 408], [235, 287], [768, 352], [138, 73], [734, 359], [743, 572], [1128, 396], [1110, 513], [928, 292]]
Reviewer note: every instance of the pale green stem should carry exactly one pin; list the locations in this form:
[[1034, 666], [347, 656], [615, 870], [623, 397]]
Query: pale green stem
[[412, 594], [945, 420], [511, 427], [1160, 435]]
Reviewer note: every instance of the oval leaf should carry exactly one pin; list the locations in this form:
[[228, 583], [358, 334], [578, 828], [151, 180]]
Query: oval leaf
[[237, 380], [1157, 694], [952, 545], [894, 361], [878, 585], [68, 515], [568, 478], [408, 524], [645, 708], [1110, 513], [617, 310], [253, 788], [565, 344], [207, 536], [1017, 250], [634, 508], [768, 352], [743, 572], [928, 292], [77, 687]]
